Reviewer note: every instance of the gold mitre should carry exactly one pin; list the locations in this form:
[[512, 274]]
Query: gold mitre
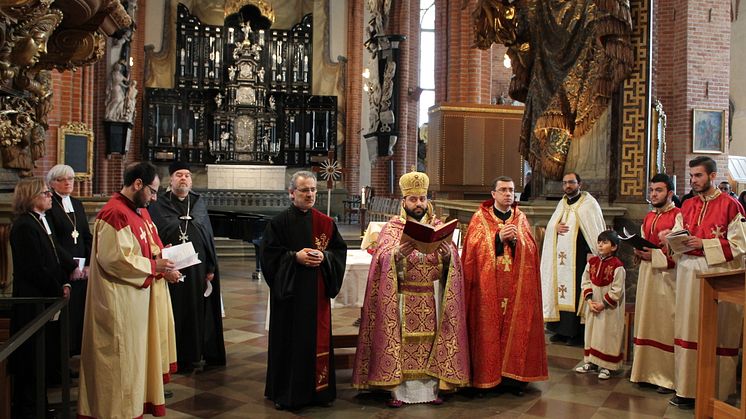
[[414, 184], [265, 9]]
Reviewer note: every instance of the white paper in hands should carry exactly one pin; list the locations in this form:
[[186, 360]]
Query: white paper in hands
[[677, 241], [182, 255]]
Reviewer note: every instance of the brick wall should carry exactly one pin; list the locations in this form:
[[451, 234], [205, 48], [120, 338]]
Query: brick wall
[[463, 74], [500, 75], [691, 70], [71, 102]]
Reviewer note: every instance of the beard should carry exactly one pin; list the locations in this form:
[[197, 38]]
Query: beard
[[140, 200], [706, 187], [415, 214], [659, 204], [181, 190]]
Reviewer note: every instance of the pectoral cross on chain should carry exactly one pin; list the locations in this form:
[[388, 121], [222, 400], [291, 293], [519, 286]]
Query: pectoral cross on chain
[[183, 237], [75, 236]]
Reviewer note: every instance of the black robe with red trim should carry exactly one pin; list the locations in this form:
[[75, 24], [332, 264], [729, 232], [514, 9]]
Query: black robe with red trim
[[300, 366]]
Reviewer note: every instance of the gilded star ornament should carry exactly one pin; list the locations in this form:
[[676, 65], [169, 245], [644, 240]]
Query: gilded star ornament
[[330, 170]]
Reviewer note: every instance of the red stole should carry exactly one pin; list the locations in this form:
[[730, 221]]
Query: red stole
[[322, 229]]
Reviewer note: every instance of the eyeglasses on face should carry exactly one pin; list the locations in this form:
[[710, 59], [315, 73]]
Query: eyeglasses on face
[[46, 193], [505, 190], [152, 191], [569, 182], [64, 179]]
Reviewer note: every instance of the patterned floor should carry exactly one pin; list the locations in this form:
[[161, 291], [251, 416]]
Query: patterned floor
[[236, 391]]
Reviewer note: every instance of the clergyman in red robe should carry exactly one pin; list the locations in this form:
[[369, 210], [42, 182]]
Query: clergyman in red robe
[[503, 294]]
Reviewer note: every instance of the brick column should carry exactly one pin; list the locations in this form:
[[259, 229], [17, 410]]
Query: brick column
[[353, 92], [692, 70], [463, 73]]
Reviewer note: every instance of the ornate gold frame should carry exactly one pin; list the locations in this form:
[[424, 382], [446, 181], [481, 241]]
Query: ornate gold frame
[[76, 129]]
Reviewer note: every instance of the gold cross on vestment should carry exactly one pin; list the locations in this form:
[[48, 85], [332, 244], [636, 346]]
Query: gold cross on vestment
[[562, 290], [562, 256], [507, 262], [717, 232], [504, 305], [142, 234]]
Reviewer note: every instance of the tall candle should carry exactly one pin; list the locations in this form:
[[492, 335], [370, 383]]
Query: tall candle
[[362, 196]]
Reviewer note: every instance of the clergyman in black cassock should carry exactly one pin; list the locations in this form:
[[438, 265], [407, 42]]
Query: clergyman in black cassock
[[198, 319], [303, 261]]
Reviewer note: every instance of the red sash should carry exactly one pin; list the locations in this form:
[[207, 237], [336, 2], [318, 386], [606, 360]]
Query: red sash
[[322, 232]]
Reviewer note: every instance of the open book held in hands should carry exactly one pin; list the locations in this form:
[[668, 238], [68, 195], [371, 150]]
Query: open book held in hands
[[635, 240], [677, 241], [427, 238]]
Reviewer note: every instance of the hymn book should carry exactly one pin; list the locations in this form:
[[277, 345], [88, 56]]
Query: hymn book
[[636, 240], [427, 238]]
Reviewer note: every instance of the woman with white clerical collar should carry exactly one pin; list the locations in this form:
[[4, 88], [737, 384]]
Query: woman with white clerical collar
[[70, 225]]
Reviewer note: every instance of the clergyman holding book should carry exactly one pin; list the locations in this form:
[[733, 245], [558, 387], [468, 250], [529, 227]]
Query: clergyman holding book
[[413, 338]]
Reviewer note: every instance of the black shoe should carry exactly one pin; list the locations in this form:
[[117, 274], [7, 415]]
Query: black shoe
[[168, 394], [278, 406], [682, 402], [575, 341], [557, 338], [51, 414], [663, 390]]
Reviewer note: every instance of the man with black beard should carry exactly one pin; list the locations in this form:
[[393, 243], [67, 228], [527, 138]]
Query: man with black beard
[[181, 215], [570, 236], [716, 237], [655, 304], [413, 332], [129, 347]]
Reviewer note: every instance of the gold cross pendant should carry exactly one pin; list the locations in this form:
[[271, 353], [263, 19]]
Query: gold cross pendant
[[75, 235], [507, 261]]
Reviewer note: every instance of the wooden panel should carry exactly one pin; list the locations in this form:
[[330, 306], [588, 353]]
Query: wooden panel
[[474, 137], [494, 157], [453, 153]]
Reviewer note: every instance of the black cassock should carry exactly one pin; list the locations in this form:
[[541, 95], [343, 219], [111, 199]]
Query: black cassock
[[198, 319], [62, 225], [291, 365], [40, 268]]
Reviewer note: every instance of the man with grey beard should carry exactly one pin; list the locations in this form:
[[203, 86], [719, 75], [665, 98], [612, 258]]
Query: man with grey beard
[[181, 215]]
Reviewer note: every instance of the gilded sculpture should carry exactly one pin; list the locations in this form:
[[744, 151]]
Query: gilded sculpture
[[567, 60]]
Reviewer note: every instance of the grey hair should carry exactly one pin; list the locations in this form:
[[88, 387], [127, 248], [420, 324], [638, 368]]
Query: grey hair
[[301, 173], [59, 170]]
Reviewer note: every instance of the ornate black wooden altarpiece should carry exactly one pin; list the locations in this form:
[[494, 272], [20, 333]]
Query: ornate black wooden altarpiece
[[242, 95]]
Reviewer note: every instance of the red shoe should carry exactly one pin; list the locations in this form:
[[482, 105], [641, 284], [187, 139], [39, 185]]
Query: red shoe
[[394, 403], [437, 402]]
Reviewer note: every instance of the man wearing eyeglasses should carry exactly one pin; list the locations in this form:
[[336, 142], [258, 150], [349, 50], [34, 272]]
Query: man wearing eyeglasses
[[303, 259], [570, 237], [128, 331], [501, 265]]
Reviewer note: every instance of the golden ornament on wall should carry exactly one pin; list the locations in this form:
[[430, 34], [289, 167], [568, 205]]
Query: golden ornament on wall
[[235, 6]]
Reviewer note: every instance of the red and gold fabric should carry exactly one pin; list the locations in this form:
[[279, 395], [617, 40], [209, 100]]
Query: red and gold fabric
[[322, 230], [717, 220], [503, 297], [603, 281], [413, 322], [124, 354], [655, 304]]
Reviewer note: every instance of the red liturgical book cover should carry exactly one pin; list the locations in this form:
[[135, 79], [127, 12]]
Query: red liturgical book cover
[[427, 238]]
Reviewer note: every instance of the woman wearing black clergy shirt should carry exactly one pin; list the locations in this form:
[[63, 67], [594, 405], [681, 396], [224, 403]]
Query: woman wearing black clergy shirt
[[40, 269], [70, 225]]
